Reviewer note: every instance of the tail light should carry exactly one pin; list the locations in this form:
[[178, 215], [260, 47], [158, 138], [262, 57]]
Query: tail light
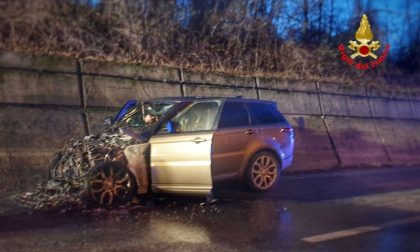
[[286, 130]]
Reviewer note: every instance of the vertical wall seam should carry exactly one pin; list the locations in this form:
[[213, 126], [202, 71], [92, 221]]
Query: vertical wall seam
[[369, 102], [327, 129], [375, 120], [83, 98], [382, 140], [330, 138], [321, 107]]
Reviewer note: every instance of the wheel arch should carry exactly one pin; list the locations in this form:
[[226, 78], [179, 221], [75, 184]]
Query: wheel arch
[[91, 196], [262, 149]]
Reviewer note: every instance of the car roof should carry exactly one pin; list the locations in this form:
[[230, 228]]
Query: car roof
[[197, 98]]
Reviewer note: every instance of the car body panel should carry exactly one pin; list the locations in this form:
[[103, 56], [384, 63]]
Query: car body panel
[[232, 147], [181, 163], [278, 138], [190, 160], [137, 163]]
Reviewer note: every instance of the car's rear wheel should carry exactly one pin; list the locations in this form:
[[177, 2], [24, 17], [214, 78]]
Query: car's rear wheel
[[110, 184], [262, 172]]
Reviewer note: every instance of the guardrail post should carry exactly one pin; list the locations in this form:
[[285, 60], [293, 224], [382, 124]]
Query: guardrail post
[[181, 82], [257, 87], [83, 98]]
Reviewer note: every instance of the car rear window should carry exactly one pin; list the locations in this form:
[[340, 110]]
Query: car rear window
[[264, 113], [234, 114]]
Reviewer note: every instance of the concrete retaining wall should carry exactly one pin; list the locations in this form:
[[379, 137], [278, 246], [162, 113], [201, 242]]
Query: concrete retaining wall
[[44, 101], [313, 146]]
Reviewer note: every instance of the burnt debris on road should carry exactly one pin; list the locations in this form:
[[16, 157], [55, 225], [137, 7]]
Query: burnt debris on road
[[69, 169]]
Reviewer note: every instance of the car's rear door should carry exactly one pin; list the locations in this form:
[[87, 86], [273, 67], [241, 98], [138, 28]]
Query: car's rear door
[[181, 160], [233, 142]]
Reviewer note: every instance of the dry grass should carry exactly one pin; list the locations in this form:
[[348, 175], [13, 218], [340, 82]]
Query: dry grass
[[137, 32]]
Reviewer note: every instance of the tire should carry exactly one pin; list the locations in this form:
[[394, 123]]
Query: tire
[[110, 184], [262, 172]]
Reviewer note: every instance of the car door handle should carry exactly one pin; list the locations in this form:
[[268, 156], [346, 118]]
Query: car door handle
[[198, 140], [249, 132]]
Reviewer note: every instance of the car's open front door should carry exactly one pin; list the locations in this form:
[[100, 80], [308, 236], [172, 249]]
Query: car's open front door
[[182, 163], [181, 158]]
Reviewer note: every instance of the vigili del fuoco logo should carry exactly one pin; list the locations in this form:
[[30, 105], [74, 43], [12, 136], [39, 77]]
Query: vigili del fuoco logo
[[363, 47]]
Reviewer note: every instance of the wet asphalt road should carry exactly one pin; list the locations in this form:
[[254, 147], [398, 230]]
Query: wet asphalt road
[[349, 210]]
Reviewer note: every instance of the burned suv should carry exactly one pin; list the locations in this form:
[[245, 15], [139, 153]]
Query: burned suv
[[184, 145]]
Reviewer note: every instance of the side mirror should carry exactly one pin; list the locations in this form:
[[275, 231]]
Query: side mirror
[[170, 127], [107, 121]]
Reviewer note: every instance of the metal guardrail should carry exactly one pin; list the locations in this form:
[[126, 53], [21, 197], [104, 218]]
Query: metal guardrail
[[80, 72]]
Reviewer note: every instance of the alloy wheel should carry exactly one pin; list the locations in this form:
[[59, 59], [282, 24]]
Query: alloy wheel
[[110, 184], [264, 172]]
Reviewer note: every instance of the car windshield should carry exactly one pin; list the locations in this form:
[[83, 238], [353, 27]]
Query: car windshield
[[141, 117]]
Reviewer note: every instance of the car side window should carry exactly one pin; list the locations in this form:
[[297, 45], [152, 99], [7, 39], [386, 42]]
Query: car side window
[[198, 116], [264, 113], [234, 114]]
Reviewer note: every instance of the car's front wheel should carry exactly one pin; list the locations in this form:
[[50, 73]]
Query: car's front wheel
[[262, 172], [110, 184]]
